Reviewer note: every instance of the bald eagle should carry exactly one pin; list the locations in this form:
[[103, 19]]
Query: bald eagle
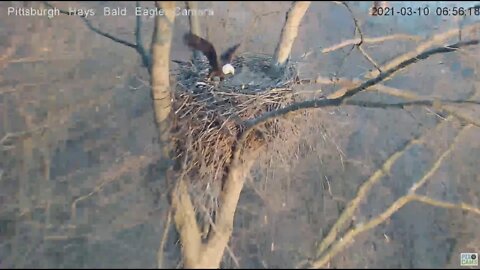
[[220, 67]]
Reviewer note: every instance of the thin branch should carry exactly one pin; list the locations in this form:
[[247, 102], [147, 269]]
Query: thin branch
[[428, 175], [402, 105], [405, 94], [138, 46], [139, 42], [373, 40], [437, 39], [164, 240], [113, 174], [368, 57], [93, 28], [442, 204], [366, 40]]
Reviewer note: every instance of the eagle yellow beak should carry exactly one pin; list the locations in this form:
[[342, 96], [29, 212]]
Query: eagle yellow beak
[[228, 69]]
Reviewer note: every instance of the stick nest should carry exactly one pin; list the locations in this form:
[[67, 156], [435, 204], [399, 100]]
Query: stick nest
[[209, 115]]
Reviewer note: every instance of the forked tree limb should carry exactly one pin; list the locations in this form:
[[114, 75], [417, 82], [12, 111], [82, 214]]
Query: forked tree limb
[[397, 205], [363, 190], [289, 34], [359, 30]]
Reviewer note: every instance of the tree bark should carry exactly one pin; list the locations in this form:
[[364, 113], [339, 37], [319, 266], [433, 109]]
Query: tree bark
[[160, 77], [289, 34]]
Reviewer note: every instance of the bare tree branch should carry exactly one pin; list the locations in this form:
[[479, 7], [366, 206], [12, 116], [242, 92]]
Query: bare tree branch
[[138, 46], [365, 40], [402, 105], [164, 240], [93, 28], [442, 204], [359, 44], [368, 57], [139, 41], [194, 24]]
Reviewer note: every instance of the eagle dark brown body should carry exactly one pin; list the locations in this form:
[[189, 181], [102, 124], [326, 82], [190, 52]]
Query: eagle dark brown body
[[219, 67]]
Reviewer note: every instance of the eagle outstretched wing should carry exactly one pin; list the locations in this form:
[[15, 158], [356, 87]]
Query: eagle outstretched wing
[[195, 42], [227, 56]]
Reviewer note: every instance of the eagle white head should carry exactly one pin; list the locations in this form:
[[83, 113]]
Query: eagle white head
[[228, 69]]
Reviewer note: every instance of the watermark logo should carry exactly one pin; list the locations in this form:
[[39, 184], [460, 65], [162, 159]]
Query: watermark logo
[[468, 259]]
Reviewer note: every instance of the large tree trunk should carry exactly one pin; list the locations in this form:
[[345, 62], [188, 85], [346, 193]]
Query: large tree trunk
[[161, 92], [160, 78], [289, 34]]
